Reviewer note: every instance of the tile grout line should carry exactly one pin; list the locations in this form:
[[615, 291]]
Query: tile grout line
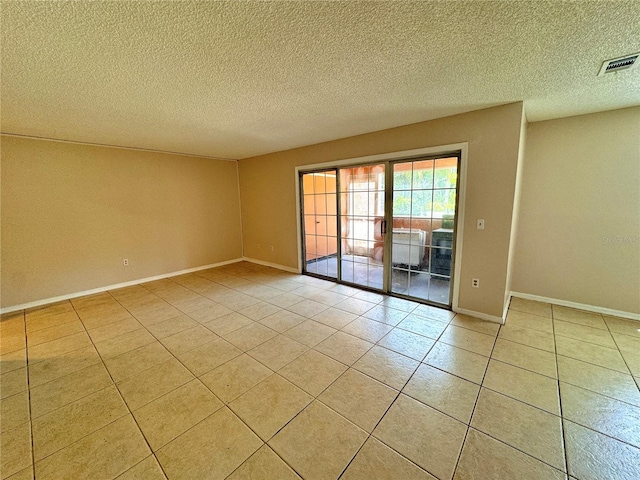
[[82, 437], [525, 403], [118, 389], [390, 405], [26, 354], [348, 367], [508, 396], [637, 382], [518, 400], [315, 398], [600, 366], [562, 419], [224, 404], [491, 436], [475, 404]]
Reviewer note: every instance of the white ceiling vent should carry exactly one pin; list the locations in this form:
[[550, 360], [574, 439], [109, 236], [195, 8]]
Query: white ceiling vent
[[618, 64]]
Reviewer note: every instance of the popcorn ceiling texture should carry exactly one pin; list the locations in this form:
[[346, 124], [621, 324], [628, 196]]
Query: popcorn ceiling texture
[[238, 79]]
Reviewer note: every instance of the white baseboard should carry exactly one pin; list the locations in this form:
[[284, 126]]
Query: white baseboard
[[481, 316], [578, 306], [273, 265], [45, 301], [471, 313]]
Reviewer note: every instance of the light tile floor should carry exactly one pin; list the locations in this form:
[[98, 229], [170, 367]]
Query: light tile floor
[[247, 372]]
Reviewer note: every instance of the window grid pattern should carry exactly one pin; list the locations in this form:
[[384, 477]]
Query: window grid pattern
[[362, 205], [320, 214], [424, 206]]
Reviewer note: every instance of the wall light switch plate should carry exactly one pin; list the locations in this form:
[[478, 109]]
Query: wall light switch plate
[[480, 224]]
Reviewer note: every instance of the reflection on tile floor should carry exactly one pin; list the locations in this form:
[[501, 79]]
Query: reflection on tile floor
[[247, 372]]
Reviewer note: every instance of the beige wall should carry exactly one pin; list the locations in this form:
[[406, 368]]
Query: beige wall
[[71, 213], [269, 203], [578, 237]]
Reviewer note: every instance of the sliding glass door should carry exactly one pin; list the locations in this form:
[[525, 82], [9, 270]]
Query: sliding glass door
[[424, 212], [350, 213], [320, 223], [362, 213]]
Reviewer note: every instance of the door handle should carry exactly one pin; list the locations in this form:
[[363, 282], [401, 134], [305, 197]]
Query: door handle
[[384, 227]]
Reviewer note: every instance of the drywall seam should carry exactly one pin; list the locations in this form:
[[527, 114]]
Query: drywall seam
[[106, 145], [481, 316], [578, 306], [272, 265], [45, 301]]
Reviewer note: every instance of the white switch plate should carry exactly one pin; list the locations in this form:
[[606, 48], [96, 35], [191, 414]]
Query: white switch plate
[[480, 224]]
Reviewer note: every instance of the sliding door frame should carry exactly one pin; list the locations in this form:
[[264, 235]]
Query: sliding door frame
[[457, 149], [391, 164], [302, 247]]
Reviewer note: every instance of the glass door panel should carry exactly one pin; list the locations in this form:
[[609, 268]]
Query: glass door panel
[[346, 223], [362, 209], [320, 209], [424, 207]]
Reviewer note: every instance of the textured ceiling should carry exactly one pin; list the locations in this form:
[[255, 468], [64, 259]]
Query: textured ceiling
[[237, 79]]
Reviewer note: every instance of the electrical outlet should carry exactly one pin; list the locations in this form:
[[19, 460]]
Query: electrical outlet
[[475, 282], [480, 224], [125, 262], [271, 248]]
